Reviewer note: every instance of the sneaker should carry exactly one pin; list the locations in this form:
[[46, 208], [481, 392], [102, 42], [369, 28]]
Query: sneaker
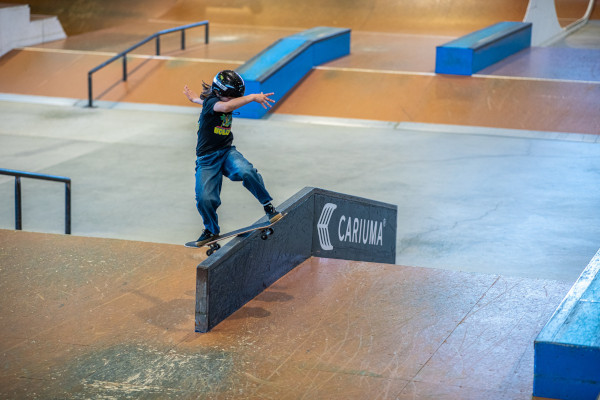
[[206, 237], [272, 213]]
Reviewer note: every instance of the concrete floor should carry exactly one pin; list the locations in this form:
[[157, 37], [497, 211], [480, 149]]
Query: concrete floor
[[487, 200]]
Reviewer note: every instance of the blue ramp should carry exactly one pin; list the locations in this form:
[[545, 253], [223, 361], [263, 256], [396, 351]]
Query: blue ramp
[[282, 65], [567, 350]]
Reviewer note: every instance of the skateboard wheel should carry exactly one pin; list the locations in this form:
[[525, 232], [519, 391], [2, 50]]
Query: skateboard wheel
[[213, 248], [266, 233]]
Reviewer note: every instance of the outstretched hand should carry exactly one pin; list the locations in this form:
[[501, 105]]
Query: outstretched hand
[[264, 99], [191, 95]]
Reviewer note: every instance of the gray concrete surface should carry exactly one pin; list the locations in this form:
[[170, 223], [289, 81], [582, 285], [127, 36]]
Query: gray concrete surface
[[587, 37], [516, 203]]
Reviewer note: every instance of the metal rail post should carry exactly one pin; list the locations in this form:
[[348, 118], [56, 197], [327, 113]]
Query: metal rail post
[[68, 207], [18, 212], [124, 68]]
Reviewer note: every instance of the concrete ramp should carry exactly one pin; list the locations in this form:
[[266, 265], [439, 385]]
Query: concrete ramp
[[101, 318]]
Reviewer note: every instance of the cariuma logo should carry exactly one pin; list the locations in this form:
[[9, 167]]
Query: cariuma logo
[[350, 229]]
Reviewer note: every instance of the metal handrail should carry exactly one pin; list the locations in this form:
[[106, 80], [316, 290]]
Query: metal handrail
[[21, 174], [156, 36]]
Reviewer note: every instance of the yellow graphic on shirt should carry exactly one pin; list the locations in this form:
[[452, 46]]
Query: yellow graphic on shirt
[[225, 128]]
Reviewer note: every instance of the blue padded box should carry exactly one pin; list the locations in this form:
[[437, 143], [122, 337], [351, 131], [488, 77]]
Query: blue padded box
[[282, 65], [480, 49], [567, 350]]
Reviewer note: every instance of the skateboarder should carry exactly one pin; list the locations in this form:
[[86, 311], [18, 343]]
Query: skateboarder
[[216, 155]]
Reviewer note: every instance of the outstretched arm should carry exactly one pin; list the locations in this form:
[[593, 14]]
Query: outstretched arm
[[191, 95], [261, 98]]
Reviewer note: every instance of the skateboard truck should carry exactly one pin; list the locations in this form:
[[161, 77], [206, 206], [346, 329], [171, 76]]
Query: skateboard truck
[[264, 235], [265, 228], [212, 248]]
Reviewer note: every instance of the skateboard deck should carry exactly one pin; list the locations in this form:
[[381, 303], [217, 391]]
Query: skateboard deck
[[213, 245]]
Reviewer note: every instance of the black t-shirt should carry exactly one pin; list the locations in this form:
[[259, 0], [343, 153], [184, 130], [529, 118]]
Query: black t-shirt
[[214, 128]]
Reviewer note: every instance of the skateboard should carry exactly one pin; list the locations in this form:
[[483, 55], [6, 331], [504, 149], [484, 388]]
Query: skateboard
[[265, 228]]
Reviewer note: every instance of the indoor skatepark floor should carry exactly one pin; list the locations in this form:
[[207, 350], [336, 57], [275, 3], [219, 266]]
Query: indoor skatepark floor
[[88, 317], [391, 68], [109, 318]]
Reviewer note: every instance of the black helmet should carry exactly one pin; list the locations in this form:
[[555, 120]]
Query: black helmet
[[228, 83]]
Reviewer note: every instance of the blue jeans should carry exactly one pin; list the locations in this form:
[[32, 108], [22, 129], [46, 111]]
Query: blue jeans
[[210, 169]]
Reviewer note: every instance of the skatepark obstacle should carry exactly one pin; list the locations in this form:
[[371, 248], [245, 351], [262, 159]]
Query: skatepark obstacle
[[18, 27], [567, 350], [282, 65], [18, 209], [155, 36], [480, 49], [318, 223]]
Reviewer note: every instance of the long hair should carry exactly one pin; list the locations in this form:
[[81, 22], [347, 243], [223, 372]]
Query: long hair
[[206, 91]]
